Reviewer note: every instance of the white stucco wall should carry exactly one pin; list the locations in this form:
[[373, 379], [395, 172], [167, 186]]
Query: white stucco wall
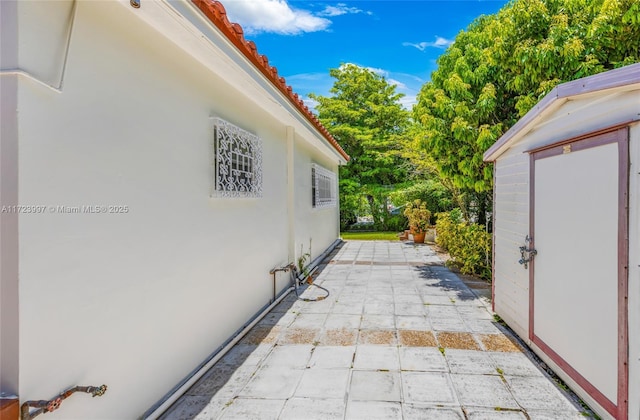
[[320, 225], [9, 351], [584, 114], [136, 300]]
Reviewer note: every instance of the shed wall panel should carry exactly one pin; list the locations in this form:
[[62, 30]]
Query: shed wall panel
[[572, 276], [634, 273], [511, 226]]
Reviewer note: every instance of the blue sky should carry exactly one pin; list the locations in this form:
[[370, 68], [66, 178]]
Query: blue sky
[[398, 39]]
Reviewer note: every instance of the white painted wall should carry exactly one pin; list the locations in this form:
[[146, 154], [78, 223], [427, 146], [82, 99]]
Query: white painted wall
[[137, 300], [320, 225], [9, 351], [587, 113]]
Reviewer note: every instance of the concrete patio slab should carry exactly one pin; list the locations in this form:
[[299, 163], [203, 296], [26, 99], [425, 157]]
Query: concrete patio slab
[[272, 382], [312, 409], [289, 356], [425, 359], [411, 309], [416, 338], [369, 385], [373, 410], [484, 414], [197, 407], [483, 391], [412, 322], [469, 361], [515, 364], [434, 388], [340, 321], [538, 393], [332, 357], [323, 383], [422, 412], [377, 358], [225, 382], [554, 415], [253, 409], [399, 337]]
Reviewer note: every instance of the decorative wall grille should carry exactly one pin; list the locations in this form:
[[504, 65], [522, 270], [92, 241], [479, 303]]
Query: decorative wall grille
[[324, 187], [238, 161]]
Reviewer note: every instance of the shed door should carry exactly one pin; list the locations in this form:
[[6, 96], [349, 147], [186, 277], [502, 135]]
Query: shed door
[[578, 277]]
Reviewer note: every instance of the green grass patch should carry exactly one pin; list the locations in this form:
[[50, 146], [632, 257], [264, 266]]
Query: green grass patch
[[370, 236]]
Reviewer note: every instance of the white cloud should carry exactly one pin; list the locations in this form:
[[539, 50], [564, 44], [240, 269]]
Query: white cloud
[[273, 16], [310, 103], [321, 83], [380, 72], [339, 9], [307, 76], [440, 42], [397, 83]]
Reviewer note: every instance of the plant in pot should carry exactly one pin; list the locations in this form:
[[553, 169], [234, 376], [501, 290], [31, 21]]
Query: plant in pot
[[418, 216]]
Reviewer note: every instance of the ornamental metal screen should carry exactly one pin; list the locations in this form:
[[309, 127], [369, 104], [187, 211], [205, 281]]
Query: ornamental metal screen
[[323, 183], [238, 161]]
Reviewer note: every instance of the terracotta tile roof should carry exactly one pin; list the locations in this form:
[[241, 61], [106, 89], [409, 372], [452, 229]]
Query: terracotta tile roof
[[215, 11]]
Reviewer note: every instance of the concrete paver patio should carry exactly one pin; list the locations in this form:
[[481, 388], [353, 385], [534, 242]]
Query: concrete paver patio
[[400, 337]]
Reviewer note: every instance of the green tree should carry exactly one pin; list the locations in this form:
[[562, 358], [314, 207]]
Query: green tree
[[364, 114], [502, 65]]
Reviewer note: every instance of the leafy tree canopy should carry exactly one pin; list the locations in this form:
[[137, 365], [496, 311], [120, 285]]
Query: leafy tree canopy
[[503, 64], [364, 114]]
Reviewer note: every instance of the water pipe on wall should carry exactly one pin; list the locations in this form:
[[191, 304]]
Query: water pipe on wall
[[44, 406]]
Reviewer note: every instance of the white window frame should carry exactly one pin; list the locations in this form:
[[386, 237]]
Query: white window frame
[[237, 169], [324, 187]]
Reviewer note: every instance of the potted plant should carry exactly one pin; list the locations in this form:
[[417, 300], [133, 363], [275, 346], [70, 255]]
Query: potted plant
[[418, 216]]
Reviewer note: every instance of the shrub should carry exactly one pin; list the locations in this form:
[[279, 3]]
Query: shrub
[[469, 245], [417, 215], [397, 223], [362, 227], [431, 191]]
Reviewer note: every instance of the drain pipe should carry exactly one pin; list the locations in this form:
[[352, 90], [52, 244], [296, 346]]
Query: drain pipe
[[316, 262], [180, 389]]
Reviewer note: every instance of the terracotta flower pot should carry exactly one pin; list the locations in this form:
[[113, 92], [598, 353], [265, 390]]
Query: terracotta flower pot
[[418, 238]]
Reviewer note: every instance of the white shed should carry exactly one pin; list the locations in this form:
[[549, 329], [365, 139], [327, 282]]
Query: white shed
[[567, 185], [155, 168]]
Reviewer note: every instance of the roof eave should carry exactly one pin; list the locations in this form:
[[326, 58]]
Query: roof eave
[[216, 13]]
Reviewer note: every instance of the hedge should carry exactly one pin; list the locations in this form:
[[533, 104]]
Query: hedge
[[468, 244]]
